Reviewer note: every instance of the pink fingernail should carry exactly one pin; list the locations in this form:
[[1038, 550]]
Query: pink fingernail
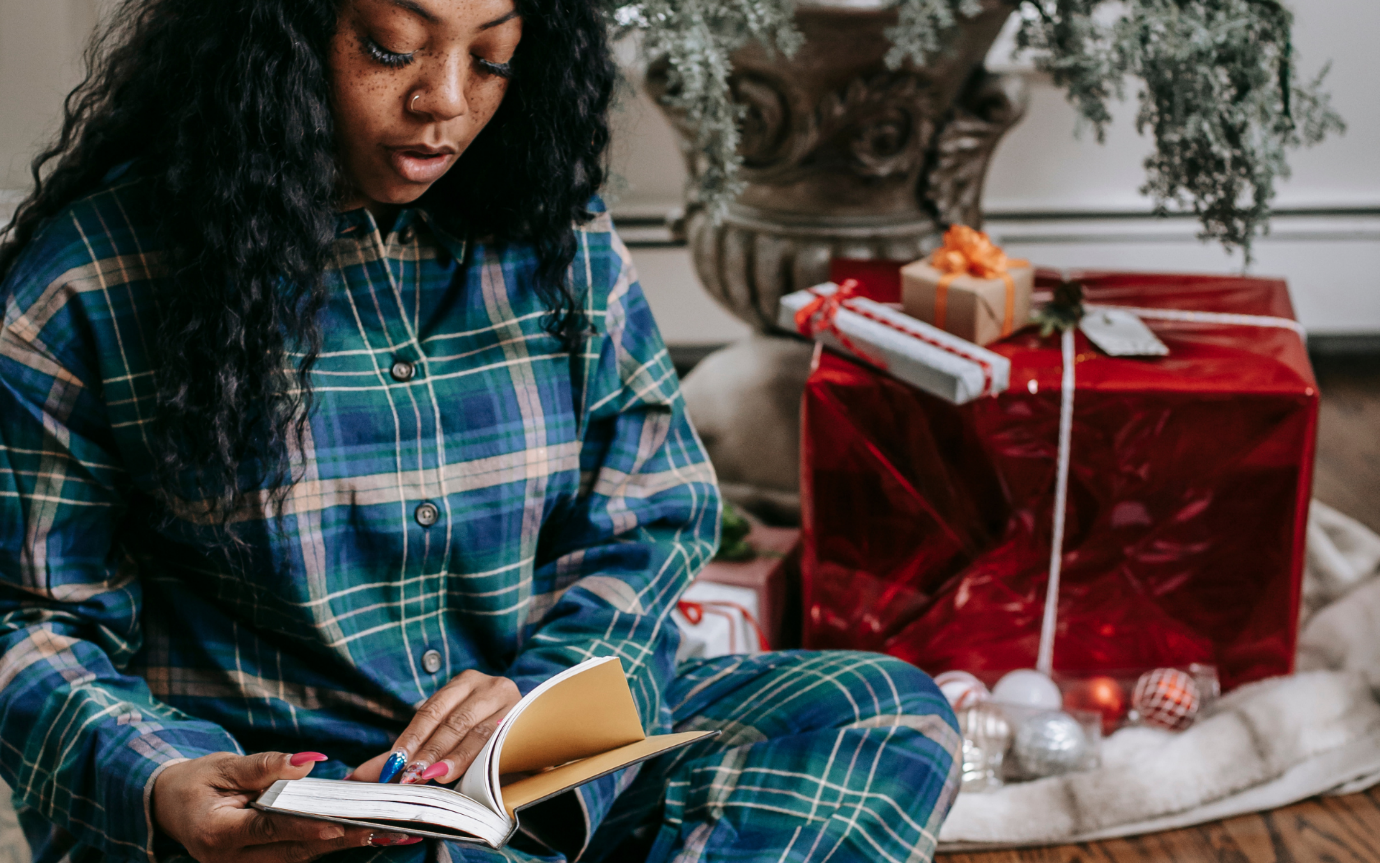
[[304, 757], [435, 771], [412, 840], [348, 776]]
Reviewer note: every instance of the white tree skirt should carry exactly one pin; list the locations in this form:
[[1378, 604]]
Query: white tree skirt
[[1265, 745]]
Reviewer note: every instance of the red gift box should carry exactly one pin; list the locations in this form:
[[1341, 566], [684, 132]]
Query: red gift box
[[927, 526]]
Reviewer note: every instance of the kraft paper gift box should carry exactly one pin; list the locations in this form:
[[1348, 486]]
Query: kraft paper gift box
[[969, 288]]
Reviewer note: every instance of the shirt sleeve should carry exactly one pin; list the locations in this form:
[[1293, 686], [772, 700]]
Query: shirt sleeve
[[646, 521], [82, 741]]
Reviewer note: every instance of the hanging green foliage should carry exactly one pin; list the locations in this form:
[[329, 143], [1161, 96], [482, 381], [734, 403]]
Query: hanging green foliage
[[1217, 86]]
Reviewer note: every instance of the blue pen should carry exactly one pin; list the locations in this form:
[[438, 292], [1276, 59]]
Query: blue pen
[[393, 766]]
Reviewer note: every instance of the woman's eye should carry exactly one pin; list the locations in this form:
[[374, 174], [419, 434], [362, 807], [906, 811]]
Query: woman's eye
[[382, 55], [502, 70]]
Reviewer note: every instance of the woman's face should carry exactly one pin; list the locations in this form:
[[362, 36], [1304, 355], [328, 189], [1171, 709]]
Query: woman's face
[[413, 82]]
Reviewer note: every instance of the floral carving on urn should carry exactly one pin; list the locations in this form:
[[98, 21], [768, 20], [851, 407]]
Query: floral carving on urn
[[844, 157]]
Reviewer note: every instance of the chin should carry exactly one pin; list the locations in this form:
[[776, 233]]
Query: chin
[[398, 194]]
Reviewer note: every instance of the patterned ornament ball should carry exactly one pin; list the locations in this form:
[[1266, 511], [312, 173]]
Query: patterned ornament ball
[[1101, 695], [962, 689], [1028, 688], [1167, 698], [1050, 743]]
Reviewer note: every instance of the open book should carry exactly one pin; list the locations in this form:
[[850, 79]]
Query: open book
[[575, 727]]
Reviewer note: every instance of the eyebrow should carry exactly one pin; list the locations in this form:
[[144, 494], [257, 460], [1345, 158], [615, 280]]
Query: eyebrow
[[418, 9], [497, 21]]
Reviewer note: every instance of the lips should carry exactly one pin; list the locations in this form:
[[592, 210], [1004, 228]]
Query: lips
[[421, 163]]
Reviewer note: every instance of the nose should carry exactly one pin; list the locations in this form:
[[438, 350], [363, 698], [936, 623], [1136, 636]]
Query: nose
[[442, 95]]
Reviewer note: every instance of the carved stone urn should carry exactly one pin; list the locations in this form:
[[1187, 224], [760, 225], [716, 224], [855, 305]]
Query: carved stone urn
[[842, 157]]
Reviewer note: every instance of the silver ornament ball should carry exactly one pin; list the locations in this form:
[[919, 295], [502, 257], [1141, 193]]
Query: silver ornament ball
[[1051, 743]]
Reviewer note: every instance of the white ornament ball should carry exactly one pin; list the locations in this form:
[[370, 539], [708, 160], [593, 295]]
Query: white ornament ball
[[962, 689], [1051, 743], [1029, 688]]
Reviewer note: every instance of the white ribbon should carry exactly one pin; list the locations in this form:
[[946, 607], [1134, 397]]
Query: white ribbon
[[1209, 318], [1044, 660]]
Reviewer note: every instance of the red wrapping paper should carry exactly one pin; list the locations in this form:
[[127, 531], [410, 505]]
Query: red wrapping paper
[[927, 526]]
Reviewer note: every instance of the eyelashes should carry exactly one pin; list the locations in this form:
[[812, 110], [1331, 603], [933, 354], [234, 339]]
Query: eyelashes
[[394, 60], [385, 57], [502, 70]]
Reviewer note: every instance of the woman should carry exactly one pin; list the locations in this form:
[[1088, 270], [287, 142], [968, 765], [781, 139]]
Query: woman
[[334, 419]]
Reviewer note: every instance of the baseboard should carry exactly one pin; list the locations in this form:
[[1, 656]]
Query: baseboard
[[1345, 355], [1344, 344], [686, 357]]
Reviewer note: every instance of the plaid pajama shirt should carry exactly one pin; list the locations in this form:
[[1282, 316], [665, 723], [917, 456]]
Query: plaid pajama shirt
[[571, 503]]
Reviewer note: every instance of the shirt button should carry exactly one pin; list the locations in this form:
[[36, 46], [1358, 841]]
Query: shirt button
[[402, 371], [407, 235], [431, 661], [426, 514]]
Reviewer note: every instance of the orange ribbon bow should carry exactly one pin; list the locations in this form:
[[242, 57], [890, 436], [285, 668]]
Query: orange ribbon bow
[[969, 252]]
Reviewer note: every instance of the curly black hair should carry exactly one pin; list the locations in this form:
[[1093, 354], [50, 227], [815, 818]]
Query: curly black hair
[[224, 107]]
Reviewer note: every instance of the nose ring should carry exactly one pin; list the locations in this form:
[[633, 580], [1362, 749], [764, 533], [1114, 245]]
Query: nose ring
[[412, 103]]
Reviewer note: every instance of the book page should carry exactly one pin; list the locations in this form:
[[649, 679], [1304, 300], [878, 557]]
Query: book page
[[416, 809], [596, 690], [532, 789], [585, 714], [475, 784]]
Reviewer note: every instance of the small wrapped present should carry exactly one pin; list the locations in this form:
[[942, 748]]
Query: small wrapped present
[[923, 356], [773, 575], [718, 620], [1102, 513], [969, 287]]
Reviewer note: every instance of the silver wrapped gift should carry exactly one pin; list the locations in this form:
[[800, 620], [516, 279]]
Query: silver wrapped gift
[[922, 355]]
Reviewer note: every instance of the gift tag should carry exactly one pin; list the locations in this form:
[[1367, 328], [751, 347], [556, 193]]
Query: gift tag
[[1121, 334]]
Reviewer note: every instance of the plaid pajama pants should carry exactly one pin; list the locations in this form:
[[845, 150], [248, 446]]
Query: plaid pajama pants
[[834, 755]]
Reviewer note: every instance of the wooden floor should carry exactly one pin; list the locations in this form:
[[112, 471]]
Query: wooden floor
[[1322, 830], [1348, 472]]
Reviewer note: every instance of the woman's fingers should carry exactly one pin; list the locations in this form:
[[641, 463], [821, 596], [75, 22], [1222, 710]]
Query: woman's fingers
[[458, 734], [369, 770], [451, 727], [458, 760], [204, 804], [304, 851], [250, 827]]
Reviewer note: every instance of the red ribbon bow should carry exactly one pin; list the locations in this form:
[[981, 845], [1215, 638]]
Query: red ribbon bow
[[694, 612], [817, 316]]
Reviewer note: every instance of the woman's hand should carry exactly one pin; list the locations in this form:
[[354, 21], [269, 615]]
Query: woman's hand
[[204, 804], [448, 731]]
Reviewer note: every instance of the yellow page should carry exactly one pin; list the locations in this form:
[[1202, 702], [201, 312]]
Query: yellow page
[[585, 714], [522, 792]]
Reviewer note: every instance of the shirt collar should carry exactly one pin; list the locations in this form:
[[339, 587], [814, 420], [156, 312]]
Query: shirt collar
[[360, 222]]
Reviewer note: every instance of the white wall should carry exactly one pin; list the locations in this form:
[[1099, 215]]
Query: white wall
[[1040, 166], [40, 61]]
